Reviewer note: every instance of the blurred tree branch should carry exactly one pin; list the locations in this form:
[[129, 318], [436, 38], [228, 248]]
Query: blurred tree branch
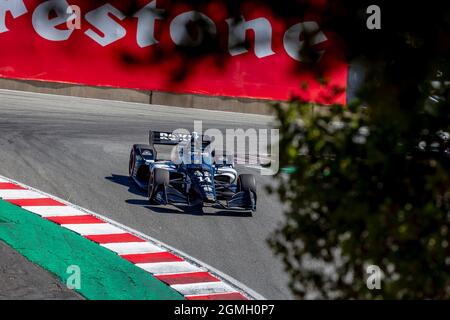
[[371, 180]]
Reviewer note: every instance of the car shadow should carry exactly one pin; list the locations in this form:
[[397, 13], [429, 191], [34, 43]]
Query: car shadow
[[195, 211], [242, 214], [126, 182], [170, 209]]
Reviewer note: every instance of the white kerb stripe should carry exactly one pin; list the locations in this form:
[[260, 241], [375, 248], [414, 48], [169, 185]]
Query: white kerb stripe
[[92, 229], [202, 288], [20, 194], [52, 211], [160, 268], [132, 247], [4, 180]]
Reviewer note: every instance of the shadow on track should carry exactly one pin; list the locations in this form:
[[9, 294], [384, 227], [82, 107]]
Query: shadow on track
[[126, 182], [170, 209]]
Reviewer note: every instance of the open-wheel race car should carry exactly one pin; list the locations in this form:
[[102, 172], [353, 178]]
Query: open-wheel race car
[[193, 176]]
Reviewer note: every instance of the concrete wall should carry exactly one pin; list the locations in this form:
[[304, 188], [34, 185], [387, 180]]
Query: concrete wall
[[141, 96]]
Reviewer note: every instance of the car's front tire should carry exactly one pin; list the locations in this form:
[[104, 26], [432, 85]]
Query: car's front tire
[[131, 163], [159, 179], [247, 183]]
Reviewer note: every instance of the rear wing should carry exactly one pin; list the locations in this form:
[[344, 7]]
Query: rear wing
[[172, 139], [166, 138]]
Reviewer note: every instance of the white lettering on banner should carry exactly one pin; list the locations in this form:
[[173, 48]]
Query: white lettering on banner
[[295, 47], [99, 18], [110, 31], [237, 36], [146, 24], [46, 27], [15, 7], [74, 20], [179, 28]]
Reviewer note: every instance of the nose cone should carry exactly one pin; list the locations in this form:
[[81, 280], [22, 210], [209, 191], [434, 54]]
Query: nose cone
[[209, 198], [206, 190], [204, 185]]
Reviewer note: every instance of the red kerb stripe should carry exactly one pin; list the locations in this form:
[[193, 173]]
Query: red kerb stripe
[[35, 202], [220, 296], [184, 278], [152, 257], [10, 186], [115, 238], [75, 219]]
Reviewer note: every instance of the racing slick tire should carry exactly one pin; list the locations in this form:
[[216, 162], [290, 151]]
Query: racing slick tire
[[132, 162], [159, 178], [246, 182]]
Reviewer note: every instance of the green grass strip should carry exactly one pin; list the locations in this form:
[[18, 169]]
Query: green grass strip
[[104, 275]]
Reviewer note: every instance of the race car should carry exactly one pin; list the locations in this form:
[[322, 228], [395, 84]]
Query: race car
[[194, 176]]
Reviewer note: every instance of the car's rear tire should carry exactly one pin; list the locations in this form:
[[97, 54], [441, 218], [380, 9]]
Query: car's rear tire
[[135, 150], [246, 182]]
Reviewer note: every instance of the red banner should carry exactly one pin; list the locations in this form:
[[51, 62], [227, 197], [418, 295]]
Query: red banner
[[171, 46]]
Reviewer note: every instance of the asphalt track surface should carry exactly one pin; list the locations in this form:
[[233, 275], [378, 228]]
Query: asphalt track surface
[[21, 279], [78, 149]]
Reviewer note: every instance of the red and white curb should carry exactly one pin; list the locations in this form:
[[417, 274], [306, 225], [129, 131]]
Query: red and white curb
[[193, 279]]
